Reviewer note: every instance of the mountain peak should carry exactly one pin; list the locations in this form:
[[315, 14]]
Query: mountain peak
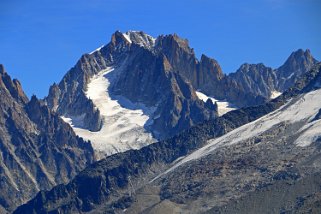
[[2, 70], [133, 37], [12, 86], [118, 38], [172, 40], [246, 67], [296, 64], [299, 56], [301, 53], [299, 61], [212, 66]]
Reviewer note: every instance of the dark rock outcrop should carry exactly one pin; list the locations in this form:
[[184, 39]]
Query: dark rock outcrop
[[38, 150]]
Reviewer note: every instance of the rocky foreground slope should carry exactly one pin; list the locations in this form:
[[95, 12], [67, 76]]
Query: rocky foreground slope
[[206, 170], [37, 149]]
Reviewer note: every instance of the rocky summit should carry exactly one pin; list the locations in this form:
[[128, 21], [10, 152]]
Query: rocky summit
[[140, 82]]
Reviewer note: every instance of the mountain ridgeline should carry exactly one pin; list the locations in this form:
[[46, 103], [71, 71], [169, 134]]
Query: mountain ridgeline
[[163, 75]]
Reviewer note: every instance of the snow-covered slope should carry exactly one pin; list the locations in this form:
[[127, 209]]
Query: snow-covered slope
[[124, 122], [301, 109], [311, 132], [223, 106]]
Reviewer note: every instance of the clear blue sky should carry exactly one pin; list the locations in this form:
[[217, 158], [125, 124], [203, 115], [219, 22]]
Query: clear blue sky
[[40, 40]]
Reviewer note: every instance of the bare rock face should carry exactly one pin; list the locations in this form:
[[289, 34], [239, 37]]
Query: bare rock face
[[184, 62], [180, 56], [38, 150], [210, 72], [296, 65], [12, 86], [256, 78], [68, 98]]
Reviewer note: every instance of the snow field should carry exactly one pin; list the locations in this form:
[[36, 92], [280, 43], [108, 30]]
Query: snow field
[[123, 121]]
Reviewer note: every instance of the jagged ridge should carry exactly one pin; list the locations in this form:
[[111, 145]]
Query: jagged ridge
[[38, 150]]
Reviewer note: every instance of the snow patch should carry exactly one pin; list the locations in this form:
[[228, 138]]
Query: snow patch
[[127, 37], [223, 106], [290, 76], [75, 121], [275, 94], [124, 122]]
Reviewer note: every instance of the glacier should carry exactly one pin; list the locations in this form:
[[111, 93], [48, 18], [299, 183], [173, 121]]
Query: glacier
[[124, 123]]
